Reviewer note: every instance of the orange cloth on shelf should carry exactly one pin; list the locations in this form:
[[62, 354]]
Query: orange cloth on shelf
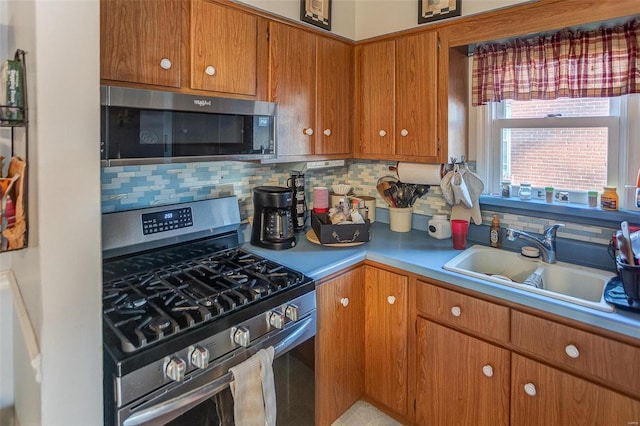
[[15, 235]]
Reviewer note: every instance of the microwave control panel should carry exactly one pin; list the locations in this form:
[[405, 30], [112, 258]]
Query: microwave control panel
[[166, 220]]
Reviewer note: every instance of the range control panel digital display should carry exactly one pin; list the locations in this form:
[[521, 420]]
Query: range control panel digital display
[[166, 220]]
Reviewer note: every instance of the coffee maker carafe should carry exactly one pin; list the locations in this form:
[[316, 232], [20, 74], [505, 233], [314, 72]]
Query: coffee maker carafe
[[272, 218]]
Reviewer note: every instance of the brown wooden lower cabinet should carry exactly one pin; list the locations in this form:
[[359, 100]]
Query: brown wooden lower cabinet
[[339, 345], [460, 380], [364, 346], [542, 395], [386, 355]]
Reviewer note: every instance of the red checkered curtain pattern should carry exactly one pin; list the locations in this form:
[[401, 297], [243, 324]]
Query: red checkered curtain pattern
[[569, 64]]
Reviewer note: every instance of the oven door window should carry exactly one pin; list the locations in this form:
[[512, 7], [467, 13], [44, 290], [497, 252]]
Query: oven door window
[[139, 133], [295, 392]]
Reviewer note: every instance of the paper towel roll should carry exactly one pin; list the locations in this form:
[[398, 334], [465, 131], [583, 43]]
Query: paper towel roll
[[424, 174]]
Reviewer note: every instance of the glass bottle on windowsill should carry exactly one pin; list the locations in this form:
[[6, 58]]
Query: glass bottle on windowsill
[[525, 191], [609, 198], [506, 188]]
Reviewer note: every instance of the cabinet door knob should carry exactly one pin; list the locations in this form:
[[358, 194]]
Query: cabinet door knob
[[572, 351], [382, 133], [487, 370], [344, 301], [404, 132], [455, 311], [210, 70], [391, 300], [308, 131], [327, 132], [530, 389], [165, 63]]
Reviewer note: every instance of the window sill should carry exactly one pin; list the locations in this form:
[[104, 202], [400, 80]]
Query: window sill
[[569, 212]]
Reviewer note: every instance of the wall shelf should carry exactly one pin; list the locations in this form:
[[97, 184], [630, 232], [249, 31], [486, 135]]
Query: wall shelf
[[14, 114]]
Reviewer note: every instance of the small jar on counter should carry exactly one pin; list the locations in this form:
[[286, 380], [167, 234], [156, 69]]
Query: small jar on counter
[[439, 227], [525, 191], [548, 190], [506, 189], [609, 198], [592, 196]]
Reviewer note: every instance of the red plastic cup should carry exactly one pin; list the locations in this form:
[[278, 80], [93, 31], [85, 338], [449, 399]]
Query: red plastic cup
[[459, 230]]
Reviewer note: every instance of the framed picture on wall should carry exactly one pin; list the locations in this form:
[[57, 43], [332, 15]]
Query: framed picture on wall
[[316, 12], [434, 10]]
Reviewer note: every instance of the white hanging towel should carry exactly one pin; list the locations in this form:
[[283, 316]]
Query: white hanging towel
[[253, 390], [268, 386]]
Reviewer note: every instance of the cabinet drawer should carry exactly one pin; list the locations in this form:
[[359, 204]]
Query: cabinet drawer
[[463, 311], [587, 353]]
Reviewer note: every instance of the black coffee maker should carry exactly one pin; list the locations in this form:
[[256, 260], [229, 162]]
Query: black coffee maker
[[272, 218]]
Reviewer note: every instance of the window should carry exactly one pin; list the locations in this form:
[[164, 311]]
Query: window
[[574, 125], [574, 145]]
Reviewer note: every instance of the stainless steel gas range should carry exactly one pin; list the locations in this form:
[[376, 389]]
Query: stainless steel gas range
[[182, 303]]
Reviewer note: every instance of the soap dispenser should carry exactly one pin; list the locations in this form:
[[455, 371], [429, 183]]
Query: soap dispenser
[[494, 235]]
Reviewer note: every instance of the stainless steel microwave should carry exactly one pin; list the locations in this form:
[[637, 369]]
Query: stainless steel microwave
[[150, 127]]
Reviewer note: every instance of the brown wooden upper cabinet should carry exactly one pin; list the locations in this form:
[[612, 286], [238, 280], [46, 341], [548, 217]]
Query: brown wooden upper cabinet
[[311, 80], [226, 49], [140, 41], [217, 48], [402, 100]]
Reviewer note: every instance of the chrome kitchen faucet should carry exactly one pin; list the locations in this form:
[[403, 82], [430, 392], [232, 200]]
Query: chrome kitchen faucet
[[547, 246]]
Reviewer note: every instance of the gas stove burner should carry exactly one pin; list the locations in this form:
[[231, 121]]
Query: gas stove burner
[[240, 278], [159, 324], [132, 301]]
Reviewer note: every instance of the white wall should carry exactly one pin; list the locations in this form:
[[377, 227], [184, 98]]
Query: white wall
[[6, 355], [376, 17], [6, 311], [60, 273], [342, 13], [361, 19]]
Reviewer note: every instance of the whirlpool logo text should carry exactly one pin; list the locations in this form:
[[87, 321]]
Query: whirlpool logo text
[[201, 102]]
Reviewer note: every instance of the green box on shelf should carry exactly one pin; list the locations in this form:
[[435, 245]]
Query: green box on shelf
[[13, 102]]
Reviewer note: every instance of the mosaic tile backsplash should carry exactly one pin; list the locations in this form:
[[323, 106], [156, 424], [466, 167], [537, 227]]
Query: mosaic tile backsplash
[[133, 187]]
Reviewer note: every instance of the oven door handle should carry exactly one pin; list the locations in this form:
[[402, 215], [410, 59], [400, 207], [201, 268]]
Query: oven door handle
[[192, 398]]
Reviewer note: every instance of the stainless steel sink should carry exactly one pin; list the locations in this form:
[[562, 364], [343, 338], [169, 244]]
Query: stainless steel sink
[[571, 283]]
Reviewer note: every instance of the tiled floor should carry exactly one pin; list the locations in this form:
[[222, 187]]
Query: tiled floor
[[364, 414]]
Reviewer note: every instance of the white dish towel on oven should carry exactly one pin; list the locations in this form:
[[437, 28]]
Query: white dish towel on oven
[[253, 390]]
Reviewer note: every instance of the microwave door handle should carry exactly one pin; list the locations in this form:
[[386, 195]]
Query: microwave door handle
[[192, 398]]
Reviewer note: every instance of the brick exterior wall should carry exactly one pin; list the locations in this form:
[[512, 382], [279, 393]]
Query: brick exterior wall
[[565, 158]]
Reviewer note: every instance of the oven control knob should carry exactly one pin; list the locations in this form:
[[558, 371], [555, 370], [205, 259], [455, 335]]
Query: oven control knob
[[200, 357], [240, 336], [175, 369], [292, 311], [275, 319]]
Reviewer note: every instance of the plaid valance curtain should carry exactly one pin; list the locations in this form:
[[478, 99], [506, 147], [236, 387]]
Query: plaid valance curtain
[[574, 64]]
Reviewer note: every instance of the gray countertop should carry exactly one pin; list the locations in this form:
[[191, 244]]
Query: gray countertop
[[418, 253]]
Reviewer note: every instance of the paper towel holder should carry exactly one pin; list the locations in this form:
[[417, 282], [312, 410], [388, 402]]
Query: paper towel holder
[[444, 168]]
